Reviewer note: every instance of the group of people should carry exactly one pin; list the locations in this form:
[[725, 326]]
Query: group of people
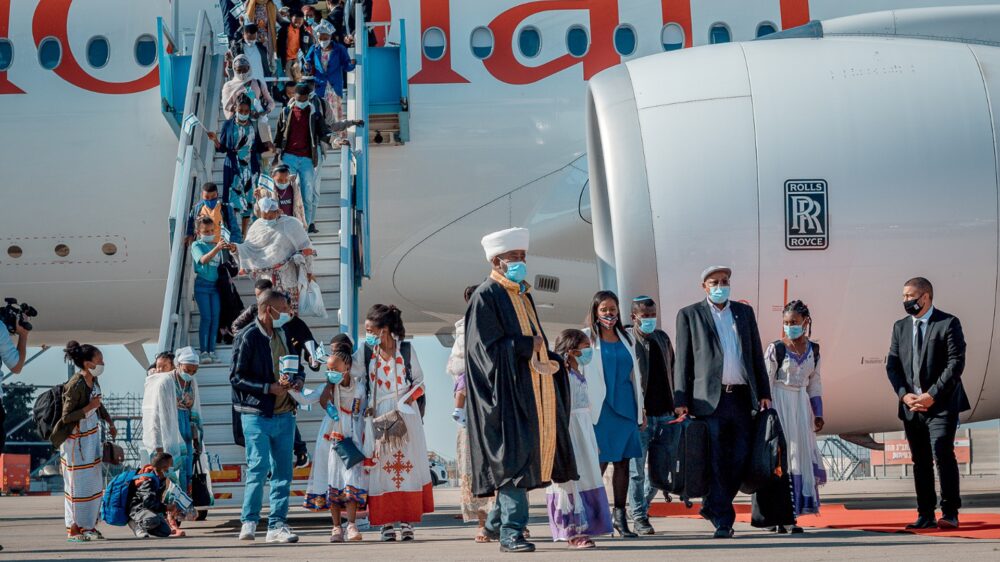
[[258, 222], [531, 416]]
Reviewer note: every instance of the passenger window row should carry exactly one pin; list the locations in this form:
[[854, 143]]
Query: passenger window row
[[529, 39], [98, 52]]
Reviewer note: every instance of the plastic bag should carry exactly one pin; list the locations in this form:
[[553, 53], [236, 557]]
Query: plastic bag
[[311, 301]]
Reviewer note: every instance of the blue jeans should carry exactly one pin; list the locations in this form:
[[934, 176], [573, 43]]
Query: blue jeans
[[640, 492], [269, 449], [206, 294], [303, 167], [509, 513]]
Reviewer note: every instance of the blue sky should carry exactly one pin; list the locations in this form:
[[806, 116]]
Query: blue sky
[[123, 374]]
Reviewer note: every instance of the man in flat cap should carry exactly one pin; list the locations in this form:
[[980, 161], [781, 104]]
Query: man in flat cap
[[720, 377], [517, 401]]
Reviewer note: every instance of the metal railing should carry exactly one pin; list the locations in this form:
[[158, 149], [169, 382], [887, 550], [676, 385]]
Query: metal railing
[[193, 167]]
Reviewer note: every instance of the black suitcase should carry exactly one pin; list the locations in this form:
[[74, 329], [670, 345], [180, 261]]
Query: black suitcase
[[687, 449], [658, 459], [764, 466]]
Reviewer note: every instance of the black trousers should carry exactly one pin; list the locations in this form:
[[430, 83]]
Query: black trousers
[[3, 420], [932, 440], [730, 429]]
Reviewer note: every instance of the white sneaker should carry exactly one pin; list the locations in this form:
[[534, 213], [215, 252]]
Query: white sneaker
[[281, 535], [213, 357], [204, 358], [248, 531]]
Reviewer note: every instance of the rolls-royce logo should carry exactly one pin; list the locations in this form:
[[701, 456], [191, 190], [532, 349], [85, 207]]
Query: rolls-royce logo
[[807, 216]]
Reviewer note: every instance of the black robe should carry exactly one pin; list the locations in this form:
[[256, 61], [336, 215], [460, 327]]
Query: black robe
[[500, 399]]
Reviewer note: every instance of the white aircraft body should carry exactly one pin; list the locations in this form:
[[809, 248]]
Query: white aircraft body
[[899, 130]]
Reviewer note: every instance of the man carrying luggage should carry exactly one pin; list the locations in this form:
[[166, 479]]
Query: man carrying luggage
[[720, 377]]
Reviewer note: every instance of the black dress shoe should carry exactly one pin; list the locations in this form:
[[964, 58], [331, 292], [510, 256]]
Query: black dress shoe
[[516, 545], [723, 533], [643, 526], [312, 229], [923, 522], [948, 522]]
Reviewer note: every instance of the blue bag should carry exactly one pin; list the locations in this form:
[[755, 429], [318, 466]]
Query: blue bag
[[114, 504]]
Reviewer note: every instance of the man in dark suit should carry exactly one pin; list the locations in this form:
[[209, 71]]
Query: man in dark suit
[[719, 376], [926, 360]]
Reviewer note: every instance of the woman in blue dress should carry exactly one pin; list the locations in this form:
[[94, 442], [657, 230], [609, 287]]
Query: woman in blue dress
[[615, 398]]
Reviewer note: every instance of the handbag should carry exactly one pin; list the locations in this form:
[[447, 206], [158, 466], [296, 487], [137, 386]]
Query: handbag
[[112, 454], [201, 495], [389, 429], [348, 452]]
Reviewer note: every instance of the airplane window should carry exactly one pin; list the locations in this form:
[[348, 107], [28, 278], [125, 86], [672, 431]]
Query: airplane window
[[624, 40], [719, 34], [766, 28], [530, 42], [49, 53], [482, 42], [145, 50], [62, 250], [15, 251], [109, 249], [98, 52], [6, 54], [672, 37], [577, 41], [434, 43]]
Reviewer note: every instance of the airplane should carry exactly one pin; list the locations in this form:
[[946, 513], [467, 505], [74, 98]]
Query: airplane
[[499, 110]]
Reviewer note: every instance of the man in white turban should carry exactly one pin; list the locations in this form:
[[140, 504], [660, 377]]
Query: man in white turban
[[517, 394], [171, 415]]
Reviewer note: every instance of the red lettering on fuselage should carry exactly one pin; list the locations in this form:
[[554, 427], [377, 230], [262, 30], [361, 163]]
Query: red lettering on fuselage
[[50, 20], [504, 66], [6, 86], [436, 13]]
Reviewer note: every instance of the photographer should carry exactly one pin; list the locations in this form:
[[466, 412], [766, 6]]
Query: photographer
[[13, 356]]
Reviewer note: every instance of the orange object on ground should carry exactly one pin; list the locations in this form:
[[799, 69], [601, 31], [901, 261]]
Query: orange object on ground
[[837, 516], [15, 473]]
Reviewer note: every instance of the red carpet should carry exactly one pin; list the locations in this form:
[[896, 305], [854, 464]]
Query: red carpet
[[836, 516]]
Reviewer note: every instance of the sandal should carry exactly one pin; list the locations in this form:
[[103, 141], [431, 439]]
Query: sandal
[[482, 537], [581, 542], [388, 533], [77, 538], [406, 531], [93, 535]]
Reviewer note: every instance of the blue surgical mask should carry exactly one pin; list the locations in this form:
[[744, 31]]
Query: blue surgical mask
[[185, 377], [331, 410], [211, 203], [794, 332], [334, 377], [302, 104], [242, 117], [281, 320], [516, 271], [647, 325], [207, 238], [718, 295], [281, 185], [586, 355], [372, 340], [310, 21]]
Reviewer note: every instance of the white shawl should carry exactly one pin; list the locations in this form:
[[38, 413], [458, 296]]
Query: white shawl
[[160, 428], [456, 361]]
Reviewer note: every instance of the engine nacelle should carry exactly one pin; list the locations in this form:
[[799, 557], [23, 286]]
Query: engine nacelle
[[828, 167]]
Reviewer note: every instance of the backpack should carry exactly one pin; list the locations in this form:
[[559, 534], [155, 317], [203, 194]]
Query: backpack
[[47, 410], [780, 351], [114, 504], [406, 350]]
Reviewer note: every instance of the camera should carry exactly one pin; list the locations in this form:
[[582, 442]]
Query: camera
[[13, 314]]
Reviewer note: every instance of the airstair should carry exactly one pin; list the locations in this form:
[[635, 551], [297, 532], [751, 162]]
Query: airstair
[[341, 246]]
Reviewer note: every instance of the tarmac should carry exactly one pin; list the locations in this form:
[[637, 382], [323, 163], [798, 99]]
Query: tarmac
[[31, 528]]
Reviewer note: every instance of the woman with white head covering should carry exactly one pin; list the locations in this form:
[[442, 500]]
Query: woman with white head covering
[[329, 60], [277, 247], [255, 89], [171, 414]]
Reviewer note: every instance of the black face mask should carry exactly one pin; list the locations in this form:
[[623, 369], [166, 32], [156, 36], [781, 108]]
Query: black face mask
[[912, 306]]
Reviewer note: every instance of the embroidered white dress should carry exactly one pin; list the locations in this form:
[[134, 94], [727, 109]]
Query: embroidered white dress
[[82, 471], [399, 489], [330, 482], [796, 391]]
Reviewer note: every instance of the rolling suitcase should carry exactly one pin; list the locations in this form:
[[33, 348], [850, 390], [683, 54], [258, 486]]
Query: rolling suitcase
[[689, 469]]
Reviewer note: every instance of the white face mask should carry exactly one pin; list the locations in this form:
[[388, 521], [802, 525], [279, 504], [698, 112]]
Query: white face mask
[[243, 75], [207, 238], [324, 44], [97, 370], [301, 104]]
